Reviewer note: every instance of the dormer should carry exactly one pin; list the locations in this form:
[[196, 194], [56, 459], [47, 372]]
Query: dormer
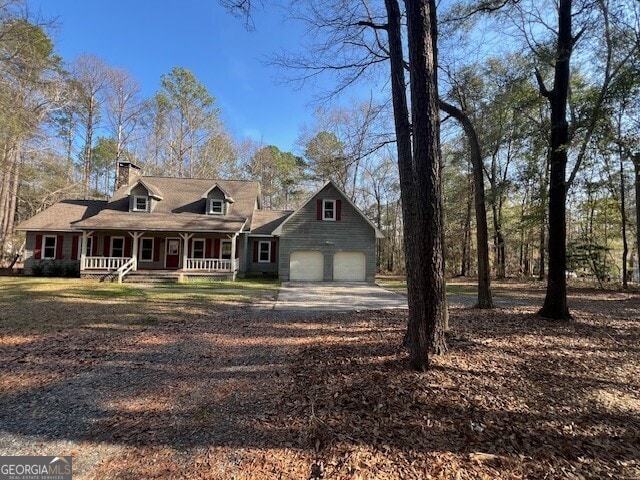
[[217, 201], [143, 196]]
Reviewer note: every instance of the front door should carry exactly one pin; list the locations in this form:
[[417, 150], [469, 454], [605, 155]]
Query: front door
[[173, 253]]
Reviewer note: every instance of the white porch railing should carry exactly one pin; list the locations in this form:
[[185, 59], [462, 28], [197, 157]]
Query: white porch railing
[[103, 263], [211, 264], [126, 268]]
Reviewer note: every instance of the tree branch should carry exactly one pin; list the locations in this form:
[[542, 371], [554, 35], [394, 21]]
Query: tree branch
[[375, 26], [543, 89]]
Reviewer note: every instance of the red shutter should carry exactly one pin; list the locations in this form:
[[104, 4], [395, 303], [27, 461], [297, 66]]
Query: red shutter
[[74, 247], [319, 209], [106, 246], [59, 244], [216, 248], [37, 252], [127, 246], [274, 251], [94, 246], [338, 209], [255, 250], [208, 248], [156, 249]]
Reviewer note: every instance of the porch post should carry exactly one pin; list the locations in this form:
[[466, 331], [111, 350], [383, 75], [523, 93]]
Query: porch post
[[233, 255], [134, 250], [83, 252], [185, 246]]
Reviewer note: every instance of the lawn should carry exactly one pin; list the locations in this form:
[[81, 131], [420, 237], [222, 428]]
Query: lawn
[[200, 381]]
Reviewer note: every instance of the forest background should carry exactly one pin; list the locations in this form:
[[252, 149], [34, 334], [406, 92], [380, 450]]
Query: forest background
[[65, 122]]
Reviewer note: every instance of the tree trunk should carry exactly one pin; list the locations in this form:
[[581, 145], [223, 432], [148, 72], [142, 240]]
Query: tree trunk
[[485, 298], [555, 302], [425, 232], [87, 148], [465, 263], [623, 218], [498, 242], [419, 171], [636, 168]]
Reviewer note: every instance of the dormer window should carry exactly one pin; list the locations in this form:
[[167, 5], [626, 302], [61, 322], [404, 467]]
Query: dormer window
[[140, 204], [329, 210], [216, 207]]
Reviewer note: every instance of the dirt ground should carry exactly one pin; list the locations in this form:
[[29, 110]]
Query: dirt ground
[[186, 384]]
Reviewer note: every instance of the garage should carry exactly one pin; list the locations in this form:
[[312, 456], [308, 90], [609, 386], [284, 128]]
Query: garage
[[349, 267], [306, 266]]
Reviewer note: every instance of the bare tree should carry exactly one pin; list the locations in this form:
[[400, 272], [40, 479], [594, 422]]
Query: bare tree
[[92, 76], [124, 110]]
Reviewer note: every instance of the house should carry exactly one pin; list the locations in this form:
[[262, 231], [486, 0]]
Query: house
[[187, 227]]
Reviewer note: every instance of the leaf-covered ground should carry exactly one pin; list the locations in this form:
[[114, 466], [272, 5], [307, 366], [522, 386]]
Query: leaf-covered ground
[[138, 385]]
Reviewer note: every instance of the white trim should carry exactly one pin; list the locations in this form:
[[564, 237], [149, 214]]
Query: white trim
[[43, 256], [135, 203], [227, 197], [140, 249], [222, 207], [268, 260], [193, 248], [86, 249], [111, 247], [326, 201]]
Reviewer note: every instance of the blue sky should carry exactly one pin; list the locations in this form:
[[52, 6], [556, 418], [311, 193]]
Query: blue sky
[[149, 38]]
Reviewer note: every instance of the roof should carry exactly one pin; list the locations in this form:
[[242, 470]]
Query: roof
[[184, 195], [152, 190], [377, 231], [264, 222], [186, 222], [59, 216]]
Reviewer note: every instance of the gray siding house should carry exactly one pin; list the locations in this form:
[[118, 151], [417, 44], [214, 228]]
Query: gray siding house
[[184, 227], [327, 239]]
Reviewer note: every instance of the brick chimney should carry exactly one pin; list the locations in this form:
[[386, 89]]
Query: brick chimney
[[127, 173]]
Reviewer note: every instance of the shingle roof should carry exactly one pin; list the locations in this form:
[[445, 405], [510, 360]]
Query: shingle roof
[[59, 216], [266, 221], [186, 222], [181, 208], [184, 195]]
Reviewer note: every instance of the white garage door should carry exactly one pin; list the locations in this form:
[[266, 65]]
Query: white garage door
[[306, 266], [349, 267]]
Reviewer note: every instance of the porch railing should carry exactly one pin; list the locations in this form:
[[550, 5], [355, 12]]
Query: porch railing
[[127, 267], [210, 264], [103, 263]]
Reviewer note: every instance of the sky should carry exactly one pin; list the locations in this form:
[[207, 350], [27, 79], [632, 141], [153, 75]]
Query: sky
[[149, 38]]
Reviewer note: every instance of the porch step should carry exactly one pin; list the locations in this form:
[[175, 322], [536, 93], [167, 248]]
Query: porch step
[[160, 276], [142, 276]]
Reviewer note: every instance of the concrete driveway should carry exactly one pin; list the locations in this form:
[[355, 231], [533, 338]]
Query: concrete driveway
[[336, 297]]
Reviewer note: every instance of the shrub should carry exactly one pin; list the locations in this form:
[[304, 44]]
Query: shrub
[[55, 269], [38, 269]]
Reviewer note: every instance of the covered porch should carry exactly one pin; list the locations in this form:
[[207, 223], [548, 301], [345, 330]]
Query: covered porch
[[177, 254]]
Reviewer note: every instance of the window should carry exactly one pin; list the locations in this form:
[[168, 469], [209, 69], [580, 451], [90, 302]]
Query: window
[[264, 252], [146, 249], [49, 247], [140, 204], [117, 247], [225, 250], [198, 249], [89, 249], [328, 209], [216, 207]]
